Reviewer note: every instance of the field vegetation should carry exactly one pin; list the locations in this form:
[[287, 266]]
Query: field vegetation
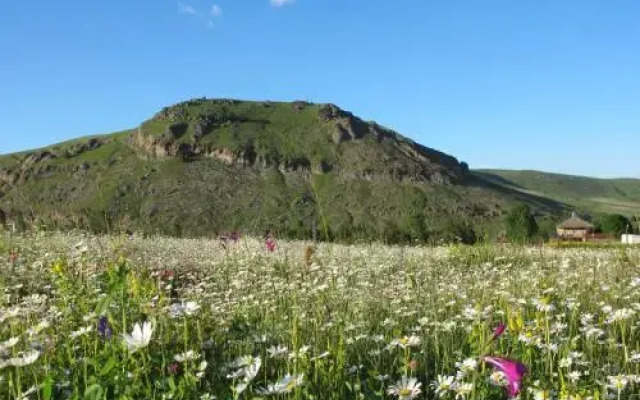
[[118, 317]]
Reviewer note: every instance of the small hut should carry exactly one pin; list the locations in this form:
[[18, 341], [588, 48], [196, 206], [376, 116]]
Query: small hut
[[575, 228]]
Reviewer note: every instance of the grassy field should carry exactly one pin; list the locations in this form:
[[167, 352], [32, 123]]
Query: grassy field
[[599, 195], [88, 317]]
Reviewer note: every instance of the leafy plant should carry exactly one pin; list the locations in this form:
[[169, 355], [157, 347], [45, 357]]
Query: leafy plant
[[521, 225]]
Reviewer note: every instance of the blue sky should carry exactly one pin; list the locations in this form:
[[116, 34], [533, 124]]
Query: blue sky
[[546, 84]]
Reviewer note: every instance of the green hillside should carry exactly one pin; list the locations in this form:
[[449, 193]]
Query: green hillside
[[590, 194], [203, 167]]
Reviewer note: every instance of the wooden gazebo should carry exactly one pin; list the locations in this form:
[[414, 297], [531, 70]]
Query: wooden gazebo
[[575, 228]]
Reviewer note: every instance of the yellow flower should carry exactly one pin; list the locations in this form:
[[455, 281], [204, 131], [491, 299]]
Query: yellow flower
[[134, 285], [58, 268], [516, 323]]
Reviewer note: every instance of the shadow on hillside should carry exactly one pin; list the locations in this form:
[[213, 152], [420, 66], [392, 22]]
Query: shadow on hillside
[[496, 178], [487, 181]]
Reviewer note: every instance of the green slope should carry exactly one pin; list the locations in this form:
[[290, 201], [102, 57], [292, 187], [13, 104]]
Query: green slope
[[591, 194], [203, 167]]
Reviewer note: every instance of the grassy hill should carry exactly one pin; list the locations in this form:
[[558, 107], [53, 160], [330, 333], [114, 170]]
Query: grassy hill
[[203, 167], [592, 194]]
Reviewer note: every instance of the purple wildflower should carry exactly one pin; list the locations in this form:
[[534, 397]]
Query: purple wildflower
[[104, 329]]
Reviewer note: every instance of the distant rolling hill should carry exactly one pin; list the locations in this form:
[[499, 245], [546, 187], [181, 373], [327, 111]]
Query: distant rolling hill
[[590, 194], [206, 166]]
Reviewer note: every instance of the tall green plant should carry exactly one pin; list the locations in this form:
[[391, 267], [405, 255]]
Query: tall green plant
[[521, 224]]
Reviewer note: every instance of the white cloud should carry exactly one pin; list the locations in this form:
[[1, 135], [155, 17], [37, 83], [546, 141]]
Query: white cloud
[[187, 9], [280, 3], [207, 18]]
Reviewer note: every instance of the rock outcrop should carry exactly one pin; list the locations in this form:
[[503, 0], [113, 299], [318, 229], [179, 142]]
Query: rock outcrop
[[187, 135]]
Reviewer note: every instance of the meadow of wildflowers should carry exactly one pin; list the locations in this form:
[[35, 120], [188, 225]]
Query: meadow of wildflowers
[[88, 317]]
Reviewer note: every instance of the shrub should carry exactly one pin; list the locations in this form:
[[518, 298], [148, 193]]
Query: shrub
[[521, 225], [614, 224]]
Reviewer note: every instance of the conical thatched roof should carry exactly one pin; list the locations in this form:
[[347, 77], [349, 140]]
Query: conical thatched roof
[[575, 222]]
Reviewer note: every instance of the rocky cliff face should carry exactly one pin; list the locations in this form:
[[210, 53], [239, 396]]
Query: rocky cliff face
[[37, 164], [181, 131], [264, 135]]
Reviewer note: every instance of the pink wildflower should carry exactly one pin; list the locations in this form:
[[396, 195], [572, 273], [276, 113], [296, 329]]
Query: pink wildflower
[[270, 244], [499, 330], [173, 368], [513, 370]]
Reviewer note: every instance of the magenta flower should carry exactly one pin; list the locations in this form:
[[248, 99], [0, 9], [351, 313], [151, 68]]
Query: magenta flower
[[499, 330], [173, 368], [513, 370], [270, 244]]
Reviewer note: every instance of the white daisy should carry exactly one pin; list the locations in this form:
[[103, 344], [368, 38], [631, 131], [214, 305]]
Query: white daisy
[[140, 337], [443, 384], [186, 356], [406, 388]]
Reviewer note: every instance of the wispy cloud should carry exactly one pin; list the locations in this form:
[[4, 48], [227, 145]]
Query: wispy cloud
[[280, 3], [187, 9], [207, 17]]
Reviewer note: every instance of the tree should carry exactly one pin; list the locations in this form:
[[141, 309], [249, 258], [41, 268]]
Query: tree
[[615, 224], [546, 229], [521, 225]]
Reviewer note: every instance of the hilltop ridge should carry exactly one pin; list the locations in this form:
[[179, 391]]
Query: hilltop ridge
[[205, 166]]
